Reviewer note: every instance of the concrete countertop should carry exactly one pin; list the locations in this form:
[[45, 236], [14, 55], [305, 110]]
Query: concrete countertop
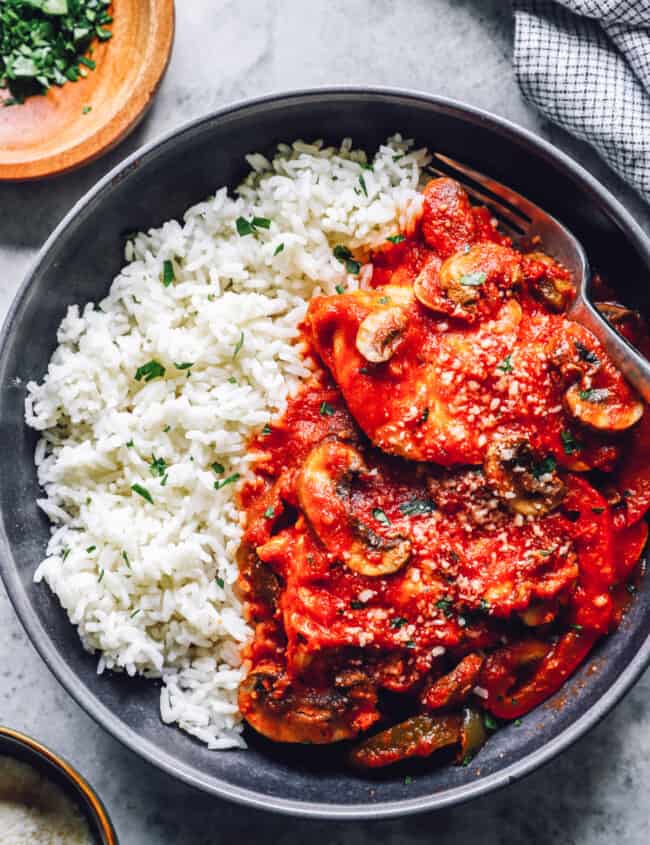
[[595, 793]]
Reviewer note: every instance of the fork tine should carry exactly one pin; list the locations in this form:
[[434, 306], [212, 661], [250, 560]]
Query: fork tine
[[501, 193], [506, 217]]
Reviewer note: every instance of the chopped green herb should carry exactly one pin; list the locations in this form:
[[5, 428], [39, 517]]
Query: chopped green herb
[[576, 627], [517, 722], [484, 605], [467, 759], [86, 109], [135, 613], [164, 479], [157, 466], [90, 549], [269, 513], [167, 428], [220, 581], [490, 722], [343, 254], [326, 410], [445, 605], [366, 166], [65, 554], [356, 605], [266, 430], [238, 345], [339, 289], [243, 227], [506, 365], [543, 467], [232, 380], [474, 279], [279, 248], [101, 575], [261, 223], [595, 394], [149, 371], [569, 443], [629, 587], [44, 42], [408, 779], [380, 516], [142, 491], [362, 182], [217, 467], [129, 444], [184, 365], [397, 622], [586, 354], [417, 507], [383, 300], [424, 416], [230, 480], [410, 644], [126, 559], [396, 239]]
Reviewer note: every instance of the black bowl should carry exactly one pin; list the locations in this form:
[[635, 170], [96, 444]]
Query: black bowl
[[56, 769], [77, 264]]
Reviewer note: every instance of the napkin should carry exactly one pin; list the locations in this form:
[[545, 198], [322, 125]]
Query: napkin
[[585, 64]]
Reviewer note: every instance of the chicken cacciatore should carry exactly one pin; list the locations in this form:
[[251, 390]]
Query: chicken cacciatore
[[449, 513]]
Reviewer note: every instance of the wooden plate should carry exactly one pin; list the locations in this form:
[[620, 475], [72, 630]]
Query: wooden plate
[[57, 132]]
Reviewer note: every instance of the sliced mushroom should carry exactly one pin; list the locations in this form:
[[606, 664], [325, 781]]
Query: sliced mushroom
[[549, 281], [381, 333], [619, 315], [324, 494], [599, 408], [525, 482]]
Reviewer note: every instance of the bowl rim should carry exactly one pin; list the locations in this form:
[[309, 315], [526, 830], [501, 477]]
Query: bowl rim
[[87, 795], [612, 207]]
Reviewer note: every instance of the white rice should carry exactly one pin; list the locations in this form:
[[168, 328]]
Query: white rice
[[150, 586], [35, 811]]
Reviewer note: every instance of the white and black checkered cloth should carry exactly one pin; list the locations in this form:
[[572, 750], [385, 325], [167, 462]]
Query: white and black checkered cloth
[[585, 64]]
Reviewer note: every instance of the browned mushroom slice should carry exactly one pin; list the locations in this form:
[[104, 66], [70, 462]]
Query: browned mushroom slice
[[527, 483], [549, 281], [601, 409], [324, 494], [381, 333], [619, 316]]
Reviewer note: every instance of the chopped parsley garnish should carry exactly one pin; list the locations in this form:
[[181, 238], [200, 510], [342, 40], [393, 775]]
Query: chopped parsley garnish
[[269, 513], [396, 239], [126, 559], [266, 430], [484, 605], [366, 166], [408, 779], [467, 759], [339, 289], [576, 627], [249, 227], [86, 109], [220, 581], [594, 394], [380, 516], [490, 722], [397, 622], [149, 371], [362, 182], [238, 345], [410, 644], [43, 42], [65, 554], [168, 273], [184, 365], [569, 443], [543, 467], [417, 507], [142, 491], [383, 300], [157, 466], [517, 723], [279, 248], [230, 480], [135, 613], [473, 280], [424, 416], [90, 549], [629, 587], [343, 254], [129, 444], [217, 467], [326, 410], [445, 605], [586, 354], [356, 605], [166, 429], [506, 365], [101, 575]]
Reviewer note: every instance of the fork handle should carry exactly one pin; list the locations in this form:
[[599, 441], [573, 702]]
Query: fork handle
[[629, 361]]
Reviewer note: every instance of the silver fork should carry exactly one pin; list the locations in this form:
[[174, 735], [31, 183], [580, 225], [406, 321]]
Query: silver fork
[[527, 222]]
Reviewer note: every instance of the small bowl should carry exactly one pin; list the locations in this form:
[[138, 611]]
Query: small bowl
[[55, 768], [80, 121]]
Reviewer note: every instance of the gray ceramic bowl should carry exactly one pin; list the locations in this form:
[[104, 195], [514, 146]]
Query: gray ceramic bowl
[[78, 262], [56, 769]]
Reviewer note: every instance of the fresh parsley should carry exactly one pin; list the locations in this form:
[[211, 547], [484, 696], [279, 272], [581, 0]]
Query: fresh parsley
[[269, 513], [417, 507], [142, 491], [157, 466], [569, 443], [396, 239], [473, 280], [380, 516], [150, 371], [506, 365], [343, 254], [230, 480], [238, 345], [249, 227], [184, 365], [168, 273], [326, 410], [586, 354], [362, 182], [279, 248], [595, 394]]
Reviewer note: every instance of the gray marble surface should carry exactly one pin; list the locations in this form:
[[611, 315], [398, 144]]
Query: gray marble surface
[[596, 793]]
